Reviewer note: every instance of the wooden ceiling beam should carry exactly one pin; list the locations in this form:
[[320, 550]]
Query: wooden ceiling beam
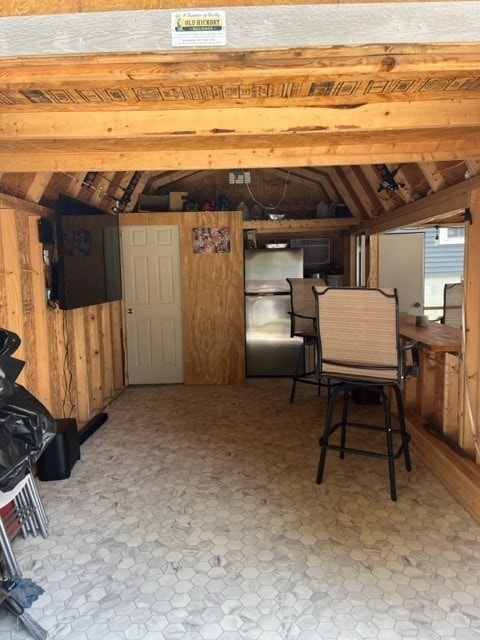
[[432, 176], [348, 195], [117, 158], [473, 166], [368, 196], [447, 202], [157, 182], [379, 118]]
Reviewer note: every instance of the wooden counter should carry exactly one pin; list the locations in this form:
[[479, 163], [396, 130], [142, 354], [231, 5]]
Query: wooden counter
[[434, 337], [435, 395]]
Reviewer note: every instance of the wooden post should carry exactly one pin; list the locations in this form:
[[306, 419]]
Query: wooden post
[[469, 439]]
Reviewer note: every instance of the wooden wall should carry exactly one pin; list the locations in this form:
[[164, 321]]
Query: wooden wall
[[74, 360], [295, 195], [212, 297]]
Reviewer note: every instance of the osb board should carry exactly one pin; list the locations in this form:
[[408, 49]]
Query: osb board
[[212, 297]]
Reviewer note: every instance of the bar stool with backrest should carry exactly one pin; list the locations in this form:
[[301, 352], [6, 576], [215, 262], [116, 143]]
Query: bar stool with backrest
[[303, 325], [452, 304], [362, 350]]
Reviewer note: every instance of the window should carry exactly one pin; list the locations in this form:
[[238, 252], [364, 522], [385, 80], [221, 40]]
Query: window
[[451, 235]]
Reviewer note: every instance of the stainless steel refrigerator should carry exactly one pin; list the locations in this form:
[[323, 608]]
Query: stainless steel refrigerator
[[270, 351]]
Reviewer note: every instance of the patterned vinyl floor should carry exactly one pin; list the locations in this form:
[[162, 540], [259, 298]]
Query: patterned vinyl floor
[[194, 515]]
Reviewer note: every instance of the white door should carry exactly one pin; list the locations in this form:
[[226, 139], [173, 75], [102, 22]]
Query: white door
[[152, 298], [401, 266]]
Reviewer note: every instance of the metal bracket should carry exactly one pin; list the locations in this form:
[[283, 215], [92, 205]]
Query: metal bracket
[[467, 215]]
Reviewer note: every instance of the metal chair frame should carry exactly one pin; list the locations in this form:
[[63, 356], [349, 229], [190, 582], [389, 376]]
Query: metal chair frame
[[351, 375], [30, 514], [303, 325]]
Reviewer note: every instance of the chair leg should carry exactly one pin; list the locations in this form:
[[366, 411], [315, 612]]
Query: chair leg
[[37, 513], [389, 438], [316, 357], [298, 368], [8, 555], [403, 428], [343, 432], [326, 432], [25, 511]]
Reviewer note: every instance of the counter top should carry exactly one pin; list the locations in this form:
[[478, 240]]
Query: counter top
[[435, 336]]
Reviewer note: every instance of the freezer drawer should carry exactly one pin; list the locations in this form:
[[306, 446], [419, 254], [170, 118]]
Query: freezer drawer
[[270, 351]]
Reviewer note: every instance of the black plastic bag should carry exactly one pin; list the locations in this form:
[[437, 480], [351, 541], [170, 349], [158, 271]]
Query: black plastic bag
[[14, 462], [26, 420], [26, 426]]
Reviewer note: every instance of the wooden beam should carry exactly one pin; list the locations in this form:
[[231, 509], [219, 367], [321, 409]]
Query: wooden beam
[[448, 201], [349, 195], [137, 31], [15, 8], [10, 202], [432, 175], [202, 122], [286, 152], [472, 335], [369, 196]]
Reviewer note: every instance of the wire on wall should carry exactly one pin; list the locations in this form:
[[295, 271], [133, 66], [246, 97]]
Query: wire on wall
[[270, 206], [67, 372]]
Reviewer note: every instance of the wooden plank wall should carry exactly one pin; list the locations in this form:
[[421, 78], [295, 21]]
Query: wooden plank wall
[[212, 297], [74, 360]]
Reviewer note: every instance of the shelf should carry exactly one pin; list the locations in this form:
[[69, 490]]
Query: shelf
[[311, 226]]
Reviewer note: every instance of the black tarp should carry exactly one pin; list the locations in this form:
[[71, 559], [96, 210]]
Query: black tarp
[[26, 427]]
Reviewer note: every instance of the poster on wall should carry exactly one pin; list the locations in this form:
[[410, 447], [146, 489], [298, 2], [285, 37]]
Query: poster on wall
[[211, 239]]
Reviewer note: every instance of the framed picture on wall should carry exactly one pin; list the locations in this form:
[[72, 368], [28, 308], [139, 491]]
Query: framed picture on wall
[[211, 239]]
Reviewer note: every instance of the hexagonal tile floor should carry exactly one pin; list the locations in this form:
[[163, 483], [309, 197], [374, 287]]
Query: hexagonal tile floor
[[194, 514]]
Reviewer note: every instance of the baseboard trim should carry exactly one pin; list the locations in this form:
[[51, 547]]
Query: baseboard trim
[[91, 426], [458, 474]]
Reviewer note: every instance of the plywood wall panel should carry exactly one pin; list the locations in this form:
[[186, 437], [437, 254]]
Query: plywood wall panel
[[213, 315], [212, 297]]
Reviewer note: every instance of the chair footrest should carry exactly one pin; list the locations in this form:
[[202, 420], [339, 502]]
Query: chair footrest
[[366, 452]]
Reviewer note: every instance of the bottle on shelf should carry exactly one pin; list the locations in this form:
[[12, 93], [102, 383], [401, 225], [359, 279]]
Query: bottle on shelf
[[256, 214], [244, 209]]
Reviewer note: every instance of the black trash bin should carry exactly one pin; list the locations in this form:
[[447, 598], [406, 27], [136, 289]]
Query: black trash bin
[[59, 457]]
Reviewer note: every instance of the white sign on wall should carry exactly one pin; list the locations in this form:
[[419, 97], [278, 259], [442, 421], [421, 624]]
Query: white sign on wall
[[199, 28]]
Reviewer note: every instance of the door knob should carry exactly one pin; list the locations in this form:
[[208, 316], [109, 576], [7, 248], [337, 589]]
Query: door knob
[[129, 310], [417, 304]]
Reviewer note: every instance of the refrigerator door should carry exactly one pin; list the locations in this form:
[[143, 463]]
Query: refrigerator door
[[266, 270], [270, 351]]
